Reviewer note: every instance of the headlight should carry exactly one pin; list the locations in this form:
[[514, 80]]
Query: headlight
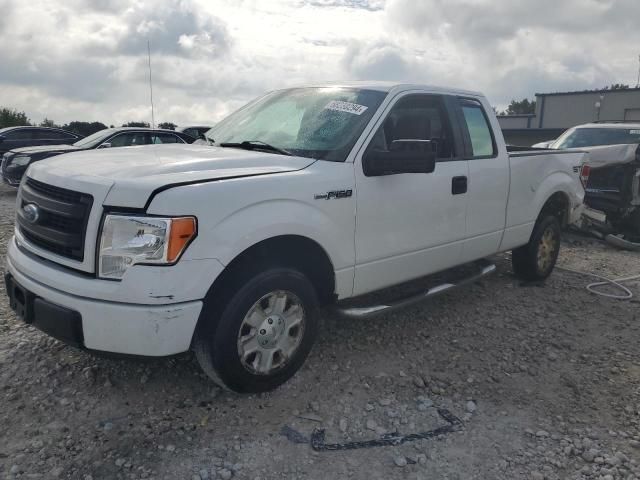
[[129, 240], [18, 161]]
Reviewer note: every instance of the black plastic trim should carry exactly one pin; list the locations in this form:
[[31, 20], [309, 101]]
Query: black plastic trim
[[62, 228], [59, 322]]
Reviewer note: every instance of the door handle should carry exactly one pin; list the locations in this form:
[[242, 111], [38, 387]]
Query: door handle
[[458, 185]]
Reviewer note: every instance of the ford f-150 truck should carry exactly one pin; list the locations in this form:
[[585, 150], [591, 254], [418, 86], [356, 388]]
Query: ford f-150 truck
[[303, 198]]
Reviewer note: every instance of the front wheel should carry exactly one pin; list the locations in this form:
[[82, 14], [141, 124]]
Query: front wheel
[[536, 259], [262, 335]]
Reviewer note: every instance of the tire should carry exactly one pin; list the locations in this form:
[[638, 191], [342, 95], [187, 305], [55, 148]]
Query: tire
[[237, 339], [535, 260]]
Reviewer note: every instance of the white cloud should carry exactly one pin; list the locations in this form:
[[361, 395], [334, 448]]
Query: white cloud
[[86, 59]]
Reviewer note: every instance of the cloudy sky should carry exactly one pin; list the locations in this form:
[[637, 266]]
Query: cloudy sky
[[86, 59]]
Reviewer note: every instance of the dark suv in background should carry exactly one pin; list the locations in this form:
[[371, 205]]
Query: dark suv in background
[[18, 137], [196, 131], [16, 161]]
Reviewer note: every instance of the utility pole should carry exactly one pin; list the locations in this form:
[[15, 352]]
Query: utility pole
[[638, 82], [153, 118]]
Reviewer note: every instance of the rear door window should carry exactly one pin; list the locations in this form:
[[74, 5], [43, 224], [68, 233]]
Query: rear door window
[[40, 134], [480, 133], [26, 134], [54, 135], [165, 138], [129, 139]]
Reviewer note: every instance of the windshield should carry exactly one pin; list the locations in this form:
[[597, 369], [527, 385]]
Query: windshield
[[590, 137], [94, 139], [322, 123]]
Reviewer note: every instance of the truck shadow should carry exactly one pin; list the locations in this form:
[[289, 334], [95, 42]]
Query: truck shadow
[[344, 347]]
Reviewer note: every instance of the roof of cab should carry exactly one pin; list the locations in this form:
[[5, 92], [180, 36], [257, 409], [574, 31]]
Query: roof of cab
[[614, 125], [395, 87]]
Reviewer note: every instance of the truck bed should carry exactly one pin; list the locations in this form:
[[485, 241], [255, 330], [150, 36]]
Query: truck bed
[[536, 174]]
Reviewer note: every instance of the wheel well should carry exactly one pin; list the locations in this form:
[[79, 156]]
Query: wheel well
[[286, 250], [558, 206]]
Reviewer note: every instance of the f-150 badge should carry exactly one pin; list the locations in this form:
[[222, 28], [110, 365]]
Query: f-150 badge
[[333, 194]]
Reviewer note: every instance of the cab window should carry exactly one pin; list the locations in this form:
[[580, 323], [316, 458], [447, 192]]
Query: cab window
[[417, 117], [482, 143]]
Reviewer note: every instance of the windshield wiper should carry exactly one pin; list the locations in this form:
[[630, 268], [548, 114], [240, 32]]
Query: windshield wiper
[[255, 145]]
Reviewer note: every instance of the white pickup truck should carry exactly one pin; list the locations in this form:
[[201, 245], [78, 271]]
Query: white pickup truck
[[303, 198]]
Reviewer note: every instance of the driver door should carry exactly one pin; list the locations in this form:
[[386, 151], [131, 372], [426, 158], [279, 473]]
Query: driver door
[[412, 224]]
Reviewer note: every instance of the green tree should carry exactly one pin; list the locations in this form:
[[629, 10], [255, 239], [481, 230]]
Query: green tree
[[167, 125], [617, 86], [136, 124], [84, 128], [12, 118], [47, 122], [521, 107]]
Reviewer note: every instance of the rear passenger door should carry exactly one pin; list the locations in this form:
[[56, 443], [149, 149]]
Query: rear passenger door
[[488, 183], [412, 224]]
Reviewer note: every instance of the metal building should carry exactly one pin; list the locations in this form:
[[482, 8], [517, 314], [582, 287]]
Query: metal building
[[555, 112]]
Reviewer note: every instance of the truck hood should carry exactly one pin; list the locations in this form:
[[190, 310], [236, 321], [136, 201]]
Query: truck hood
[[134, 173]]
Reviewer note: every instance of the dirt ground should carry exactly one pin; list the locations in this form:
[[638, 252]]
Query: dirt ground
[[545, 377]]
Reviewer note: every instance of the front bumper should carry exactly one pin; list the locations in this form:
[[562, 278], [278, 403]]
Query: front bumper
[[154, 325], [59, 322]]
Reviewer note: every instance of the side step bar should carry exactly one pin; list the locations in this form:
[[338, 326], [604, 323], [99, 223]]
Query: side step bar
[[485, 268]]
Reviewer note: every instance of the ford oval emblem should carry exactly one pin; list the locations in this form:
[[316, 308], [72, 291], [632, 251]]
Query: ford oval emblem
[[31, 212]]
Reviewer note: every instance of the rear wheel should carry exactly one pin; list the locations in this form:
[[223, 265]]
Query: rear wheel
[[262, 335], [536, 259]]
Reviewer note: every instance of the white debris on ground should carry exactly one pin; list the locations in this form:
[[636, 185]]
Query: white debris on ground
[[545, 377]]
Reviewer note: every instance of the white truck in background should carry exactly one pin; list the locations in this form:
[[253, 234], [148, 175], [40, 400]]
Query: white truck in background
[[304, 197]]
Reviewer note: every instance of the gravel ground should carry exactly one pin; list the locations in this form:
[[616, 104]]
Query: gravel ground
[[545, 377]]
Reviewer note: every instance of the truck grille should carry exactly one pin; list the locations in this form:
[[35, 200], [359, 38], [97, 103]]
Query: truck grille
[[61, 222]]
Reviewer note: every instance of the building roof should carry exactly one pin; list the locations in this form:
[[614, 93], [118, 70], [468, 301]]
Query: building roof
[[586, 92]]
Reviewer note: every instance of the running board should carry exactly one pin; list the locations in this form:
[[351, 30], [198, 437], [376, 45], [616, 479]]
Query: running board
[[484, 268]]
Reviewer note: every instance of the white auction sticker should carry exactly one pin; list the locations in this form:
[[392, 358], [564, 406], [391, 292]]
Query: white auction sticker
[[348, 107], [634, 132]]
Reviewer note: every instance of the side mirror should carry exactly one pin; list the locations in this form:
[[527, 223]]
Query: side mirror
[[404, 156], [105, 145]]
